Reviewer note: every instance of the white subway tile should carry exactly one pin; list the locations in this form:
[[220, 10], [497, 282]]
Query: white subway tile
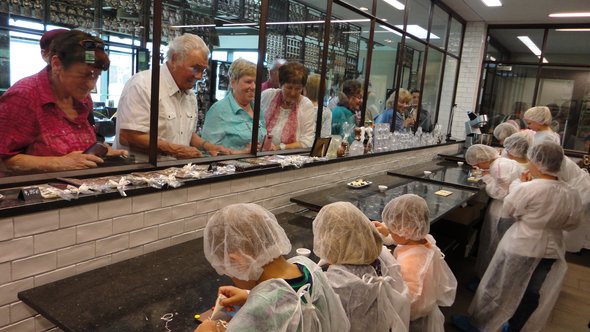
[[126, 254], [174, 197], [5, 273], [186, 237], [219, 188], [36, 223], [6, 229], [239, 185], [4, 315], [8, 291], [207, 205], [127, 223], [112, 244], [170, 229], [55, 275], [33, 265], [76, 254], [17, 248], [153, 246], [54, 240], [137, 238], [95, 230], [157, 216], [20, 311], [115, 208], [93, 264], [147, 202], [183, 210], [27, 325], [77, 215], [198, 192], [257, 181], [226, 200], [194, 223], [42, 324]]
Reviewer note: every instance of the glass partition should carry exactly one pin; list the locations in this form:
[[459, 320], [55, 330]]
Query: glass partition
[[455, 37], [426, 101], [568, 46], [446, 93], [419, 11], [438, 30], [518, 45], [392, 12]]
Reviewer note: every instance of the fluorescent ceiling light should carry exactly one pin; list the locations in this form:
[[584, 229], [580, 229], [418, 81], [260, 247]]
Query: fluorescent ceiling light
[[580, 14], [389, 29], [364, 9], [418, 31], [249, 24], [492, 3], [573, 29], [395, 4], [532, 46]]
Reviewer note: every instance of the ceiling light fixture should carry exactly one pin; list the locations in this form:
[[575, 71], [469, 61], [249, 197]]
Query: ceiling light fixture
[[364, 9], [492, 3], [579, 14], [395, 4], [573, 29], [532, 46]]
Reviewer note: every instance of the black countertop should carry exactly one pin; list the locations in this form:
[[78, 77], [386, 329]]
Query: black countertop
[[444, 172], [371, 201], [135, 294]]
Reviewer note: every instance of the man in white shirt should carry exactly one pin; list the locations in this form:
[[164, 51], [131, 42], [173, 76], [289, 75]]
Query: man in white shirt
[[187, 58]]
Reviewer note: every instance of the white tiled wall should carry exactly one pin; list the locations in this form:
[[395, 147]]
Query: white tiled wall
[[43, 247], [469, 75]]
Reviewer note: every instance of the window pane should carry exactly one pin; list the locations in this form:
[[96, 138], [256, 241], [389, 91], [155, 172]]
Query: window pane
[[517, 45], [391, 11], [568, 47], [438, 32], [429, 95], [455, 37], [565, 92], [446, 98], [418, 18]]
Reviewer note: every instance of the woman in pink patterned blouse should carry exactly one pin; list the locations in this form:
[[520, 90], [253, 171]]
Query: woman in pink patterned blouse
[[43, 117]]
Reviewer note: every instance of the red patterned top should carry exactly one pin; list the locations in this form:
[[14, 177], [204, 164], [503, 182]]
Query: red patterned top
[[32, 123]]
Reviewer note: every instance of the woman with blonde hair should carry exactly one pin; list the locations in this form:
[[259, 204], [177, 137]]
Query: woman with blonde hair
[[312, 91], [403, 104]]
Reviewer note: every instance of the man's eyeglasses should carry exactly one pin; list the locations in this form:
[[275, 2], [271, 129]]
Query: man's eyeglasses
[[91, 45], [198, 69]]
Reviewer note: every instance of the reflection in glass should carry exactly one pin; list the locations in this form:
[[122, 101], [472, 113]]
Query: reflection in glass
[[518, 45], [413, 58], [568, 46], [429, 95], [391, 11], [446, 97], [507, 93], [564, 91], [418, 19], [438, 30], [382, 71]]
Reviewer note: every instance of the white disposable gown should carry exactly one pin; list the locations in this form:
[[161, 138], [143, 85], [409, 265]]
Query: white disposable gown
[[372, 302], [503, 172], [430, 281], [274, 306], [546, 135], [571, 173], [542, 209]]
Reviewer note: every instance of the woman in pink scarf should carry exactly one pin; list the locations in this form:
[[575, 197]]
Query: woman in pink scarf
[[288, 115]]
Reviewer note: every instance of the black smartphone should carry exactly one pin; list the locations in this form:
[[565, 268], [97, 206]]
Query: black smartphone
[[98, 149]]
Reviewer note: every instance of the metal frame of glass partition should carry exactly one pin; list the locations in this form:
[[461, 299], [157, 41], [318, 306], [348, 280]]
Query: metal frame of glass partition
[[156, 38]]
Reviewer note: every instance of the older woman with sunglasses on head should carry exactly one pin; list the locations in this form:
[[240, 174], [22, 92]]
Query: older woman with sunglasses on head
[[288, 115], [402, 119], [43, 118]]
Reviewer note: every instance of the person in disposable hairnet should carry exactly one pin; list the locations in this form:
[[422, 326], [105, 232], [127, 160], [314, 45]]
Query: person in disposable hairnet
[[430, 281], [504, 130], [246, 243], [578, 178], [524, 278], [539, 119], [498, 173], [516, 147], [362, 271]]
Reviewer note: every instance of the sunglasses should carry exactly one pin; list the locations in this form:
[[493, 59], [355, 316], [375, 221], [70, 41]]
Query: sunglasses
[[91, 45]]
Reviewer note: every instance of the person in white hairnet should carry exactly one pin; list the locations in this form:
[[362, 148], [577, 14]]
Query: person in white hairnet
[[504, 130], [539, 119], [523, 281], [246, 243], [498, 173], [430, 281], [516, 147], [570, 172], [362, 271]]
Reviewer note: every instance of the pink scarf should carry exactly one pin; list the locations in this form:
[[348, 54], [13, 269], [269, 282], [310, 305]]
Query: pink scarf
[[271, 116]]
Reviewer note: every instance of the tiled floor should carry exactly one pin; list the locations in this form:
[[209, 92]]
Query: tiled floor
[[572, 311]]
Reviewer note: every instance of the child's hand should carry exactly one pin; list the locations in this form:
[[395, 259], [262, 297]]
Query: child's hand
[[235, 297], [525, 176], [208, 325], [382, 229]]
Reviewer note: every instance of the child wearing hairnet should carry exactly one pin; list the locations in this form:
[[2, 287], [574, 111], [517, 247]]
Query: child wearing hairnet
[[498, 174], [516, 147], [539, 119], [246, 243], [430, 281], [524, 279], [362, 271]]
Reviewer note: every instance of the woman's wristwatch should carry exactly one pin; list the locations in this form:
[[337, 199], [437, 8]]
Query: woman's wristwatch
[[282, 146]]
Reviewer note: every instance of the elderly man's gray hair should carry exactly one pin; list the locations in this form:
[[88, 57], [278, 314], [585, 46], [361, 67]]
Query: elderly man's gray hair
[[181, 45]]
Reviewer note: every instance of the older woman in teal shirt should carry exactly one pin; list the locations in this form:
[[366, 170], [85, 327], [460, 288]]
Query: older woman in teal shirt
[[229, 121], [349, 100]]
